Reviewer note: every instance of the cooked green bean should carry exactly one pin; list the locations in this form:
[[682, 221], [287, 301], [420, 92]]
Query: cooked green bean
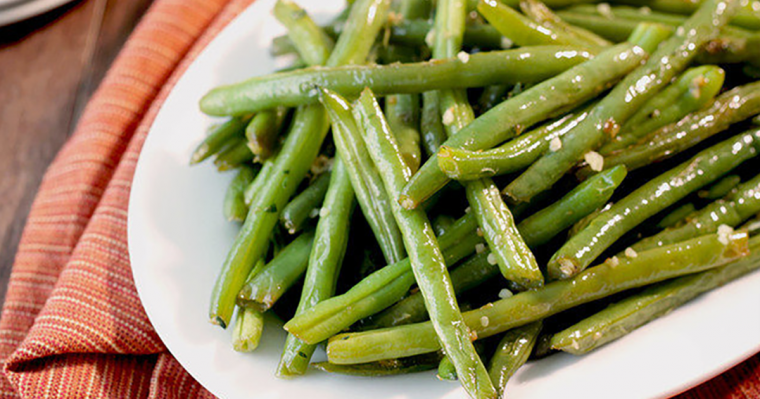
[[246, 333], [431, 129], [258, 182], [514, 155], [542, 14], [732, 46], [700, 254], [722, 188], [301, 207], [491, 97], [512, 353], [446, 370], [368, 185], [295, 88], [235, 155], [324, 263], [380, 289], [522, 30], [694, 89], [731, 211], [508, 249], [672, 56], [442, 223], [263, 130], [331, 237], [428, 264], [411, 309], [276, 277], [307, 132], [382, 368], [403, 113], [625, 316], [534, 105], [581, 201], [303, 32], [745, 16], [219, 136], [677, 216], [235, 208], [654, 196], [536, 230], [731, 107]]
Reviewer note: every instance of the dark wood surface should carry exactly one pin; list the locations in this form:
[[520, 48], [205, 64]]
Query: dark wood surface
[[49, 67]]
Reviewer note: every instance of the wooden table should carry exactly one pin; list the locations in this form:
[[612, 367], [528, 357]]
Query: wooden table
[[49, 67]]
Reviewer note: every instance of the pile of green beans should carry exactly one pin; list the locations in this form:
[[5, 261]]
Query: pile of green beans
[[471, 162]]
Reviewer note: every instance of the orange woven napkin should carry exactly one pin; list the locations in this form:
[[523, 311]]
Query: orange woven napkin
[[72, 324]]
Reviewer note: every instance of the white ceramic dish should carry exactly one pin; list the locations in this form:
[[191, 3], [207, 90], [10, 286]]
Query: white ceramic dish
[[12, 11], [178, 239]]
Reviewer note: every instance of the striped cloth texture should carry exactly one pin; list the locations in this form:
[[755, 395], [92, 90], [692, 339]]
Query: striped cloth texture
[[72, 324]]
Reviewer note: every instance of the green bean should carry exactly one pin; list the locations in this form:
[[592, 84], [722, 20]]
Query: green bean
[[403, 113], [722, 188], [276, 277], [379, 290], [677, 216], [331, 237], [442, 223], [368, 185], [542, 14], [512, 353], [297, 87], [512, 156], [508, 248], [446, 370], [246, 333], [582, 200], [730, 107], [263, 130], [428, 264], [536, 230], [492, 96], [235, 208], [303, 32], [625, 316], [415, 9], [700, 254], [307, 132], [219, 136], [522, 30], [325, 260], [431, 129], [616, 108], [235, 155], [745, 16], [732, 46], [731, 211], [473, 272], [301, 207], [382, 368], [643, 15], [694, 89], [258, 182], [538, 103], [654, 196], [509, 251]]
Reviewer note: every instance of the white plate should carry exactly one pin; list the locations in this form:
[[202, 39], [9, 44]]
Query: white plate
[[18, 10], [178, 238]]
